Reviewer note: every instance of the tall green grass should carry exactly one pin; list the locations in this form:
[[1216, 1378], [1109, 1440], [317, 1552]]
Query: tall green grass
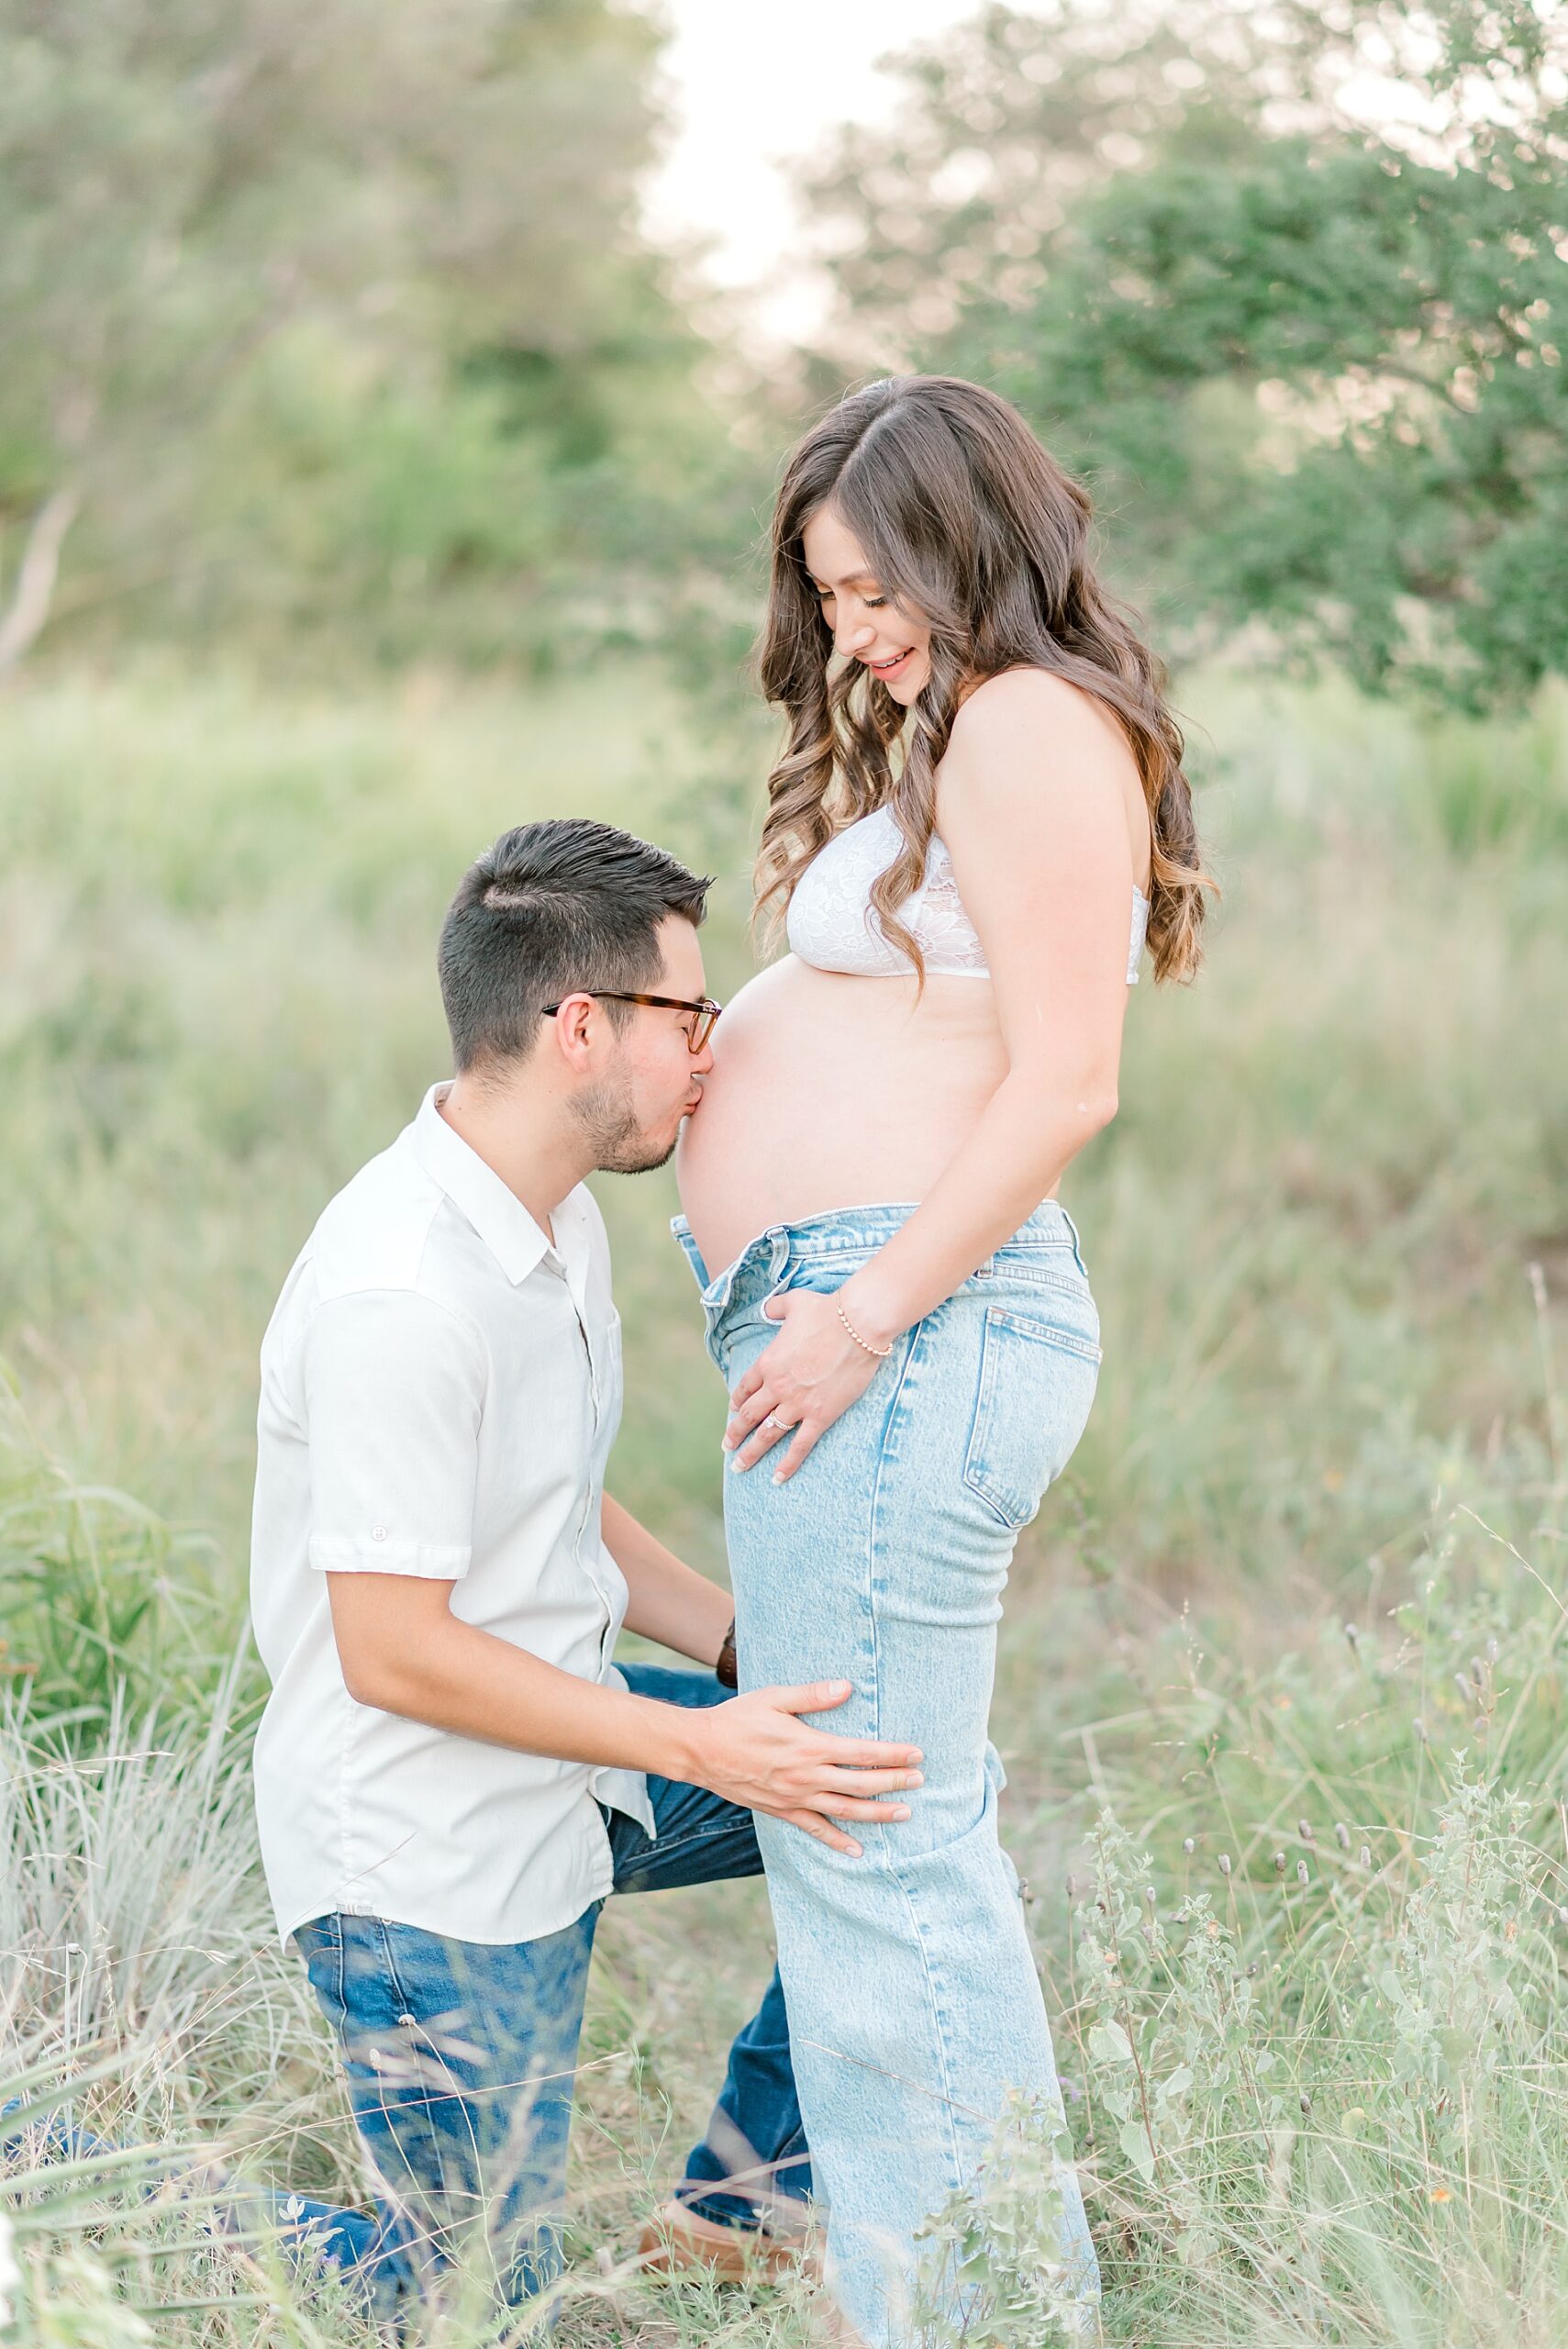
[[1310, 1229], [1297, 1604]]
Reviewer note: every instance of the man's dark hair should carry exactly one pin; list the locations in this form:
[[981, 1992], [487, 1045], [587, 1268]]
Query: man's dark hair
[[550, 908]]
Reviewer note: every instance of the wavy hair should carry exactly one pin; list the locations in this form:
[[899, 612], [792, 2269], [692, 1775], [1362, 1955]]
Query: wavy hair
[[967, 520]]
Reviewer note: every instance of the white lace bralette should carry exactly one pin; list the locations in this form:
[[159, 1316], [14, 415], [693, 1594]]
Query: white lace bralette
[[833, 925]]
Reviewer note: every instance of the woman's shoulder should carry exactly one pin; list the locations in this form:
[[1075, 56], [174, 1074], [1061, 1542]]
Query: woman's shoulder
[[1021, 695], [1028, 716]]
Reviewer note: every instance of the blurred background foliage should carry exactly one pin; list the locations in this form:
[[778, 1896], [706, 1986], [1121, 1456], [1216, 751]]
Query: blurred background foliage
[[1289, 284], [334, 327], [321, 316]]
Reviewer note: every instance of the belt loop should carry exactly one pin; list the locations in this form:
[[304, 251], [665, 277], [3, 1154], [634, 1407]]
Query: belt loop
[[1072, 1236]]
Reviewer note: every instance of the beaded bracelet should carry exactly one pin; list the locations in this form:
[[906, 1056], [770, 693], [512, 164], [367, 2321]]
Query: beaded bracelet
[[880, 1351]]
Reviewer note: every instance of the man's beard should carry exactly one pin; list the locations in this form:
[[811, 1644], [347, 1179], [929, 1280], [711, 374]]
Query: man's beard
[[618, 1142]]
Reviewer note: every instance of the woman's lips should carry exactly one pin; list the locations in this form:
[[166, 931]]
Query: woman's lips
[[885, 669]]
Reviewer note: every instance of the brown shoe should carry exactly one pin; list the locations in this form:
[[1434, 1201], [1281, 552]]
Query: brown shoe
[[679, 2242]]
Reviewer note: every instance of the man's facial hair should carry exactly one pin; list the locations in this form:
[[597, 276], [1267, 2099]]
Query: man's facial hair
[[619, 1144]]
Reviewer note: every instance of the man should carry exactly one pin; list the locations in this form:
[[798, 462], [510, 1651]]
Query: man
[[451, 1774]]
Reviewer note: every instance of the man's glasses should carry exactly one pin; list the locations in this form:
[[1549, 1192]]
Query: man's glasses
[[703, 1014]]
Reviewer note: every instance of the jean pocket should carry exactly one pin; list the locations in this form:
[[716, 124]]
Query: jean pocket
[[320, 1944], [1037, 1383]]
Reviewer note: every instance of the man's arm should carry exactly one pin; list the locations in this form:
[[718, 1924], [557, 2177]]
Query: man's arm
[[667, 1600], [394, 1387], [403, 1651]]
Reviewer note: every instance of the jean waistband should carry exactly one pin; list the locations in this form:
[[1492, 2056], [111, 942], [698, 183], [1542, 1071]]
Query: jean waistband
[[850, 1232]]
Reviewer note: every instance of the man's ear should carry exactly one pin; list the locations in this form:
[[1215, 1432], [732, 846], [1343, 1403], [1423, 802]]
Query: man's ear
[[575, 1025]]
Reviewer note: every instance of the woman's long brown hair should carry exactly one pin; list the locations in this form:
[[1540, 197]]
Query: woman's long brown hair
[[967, 520]]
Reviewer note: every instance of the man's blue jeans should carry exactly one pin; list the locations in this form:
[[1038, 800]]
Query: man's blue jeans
[[460, 2058]]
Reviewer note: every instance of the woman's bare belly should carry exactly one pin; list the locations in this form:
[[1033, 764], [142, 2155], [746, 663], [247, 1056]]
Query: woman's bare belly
[[832, 1091]]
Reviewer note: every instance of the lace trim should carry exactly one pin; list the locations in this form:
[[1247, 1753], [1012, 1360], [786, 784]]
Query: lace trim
[[833, 924], [944, 929]]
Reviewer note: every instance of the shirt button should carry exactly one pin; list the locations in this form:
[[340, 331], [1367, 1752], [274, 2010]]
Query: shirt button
[[378, 1532]]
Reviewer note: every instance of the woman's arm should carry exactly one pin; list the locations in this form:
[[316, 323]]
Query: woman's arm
[[1033, 804]]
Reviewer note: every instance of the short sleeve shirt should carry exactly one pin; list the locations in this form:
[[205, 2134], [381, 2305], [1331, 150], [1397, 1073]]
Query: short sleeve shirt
[[441, 1386]]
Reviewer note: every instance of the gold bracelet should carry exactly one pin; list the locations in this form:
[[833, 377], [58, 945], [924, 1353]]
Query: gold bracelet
[[880, 1351]]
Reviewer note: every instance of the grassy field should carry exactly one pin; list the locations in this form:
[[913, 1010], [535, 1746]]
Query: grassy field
[[1311, 1546]]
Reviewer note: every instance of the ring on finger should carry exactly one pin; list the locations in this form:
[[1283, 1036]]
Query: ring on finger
[[773, 1420]]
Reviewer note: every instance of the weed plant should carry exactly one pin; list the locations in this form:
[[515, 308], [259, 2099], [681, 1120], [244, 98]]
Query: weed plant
[[1315, 1987]]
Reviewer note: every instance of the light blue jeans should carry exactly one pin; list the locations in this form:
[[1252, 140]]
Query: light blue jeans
[[915, 2008]]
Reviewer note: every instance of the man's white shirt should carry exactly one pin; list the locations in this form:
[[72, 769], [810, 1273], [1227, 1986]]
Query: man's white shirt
[[440, 1388]]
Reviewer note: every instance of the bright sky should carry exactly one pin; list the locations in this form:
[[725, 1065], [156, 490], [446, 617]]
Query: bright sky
[[756, 84], [754, 87]]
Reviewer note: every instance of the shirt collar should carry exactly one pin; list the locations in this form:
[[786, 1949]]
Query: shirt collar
[[496, 1213]]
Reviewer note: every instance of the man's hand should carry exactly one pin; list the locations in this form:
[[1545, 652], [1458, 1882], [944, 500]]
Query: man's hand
[[403, 1651], [752, 1751]]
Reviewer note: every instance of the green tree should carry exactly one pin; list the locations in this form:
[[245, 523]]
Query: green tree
[[1290, 287], [318, 310]]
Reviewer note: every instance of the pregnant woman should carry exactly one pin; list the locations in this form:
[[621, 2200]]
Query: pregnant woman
[[978, 820]]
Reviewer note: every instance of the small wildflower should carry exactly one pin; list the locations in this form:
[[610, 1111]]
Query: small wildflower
[[1492, 1650], [1279, 1864], [1366, 1855], [1071, 1885], [1480, 1726], [1478, 1672], [1304, 1828], [1351, 1633], [1149, 1894], [1342, 1835], [1464, 1687], [1419, 1726], [1225, 1863], [1562, 1916], [1301, 1872], [1188, 1846], [1439, 2194], [1306, 2101]]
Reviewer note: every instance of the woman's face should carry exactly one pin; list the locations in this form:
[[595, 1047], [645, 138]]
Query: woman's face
[[893, 644]]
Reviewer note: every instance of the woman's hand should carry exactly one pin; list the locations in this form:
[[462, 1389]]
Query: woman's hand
[[812, 1372]]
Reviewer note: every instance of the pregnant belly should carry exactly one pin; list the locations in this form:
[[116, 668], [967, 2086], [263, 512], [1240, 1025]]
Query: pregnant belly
[[829, 1091]]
